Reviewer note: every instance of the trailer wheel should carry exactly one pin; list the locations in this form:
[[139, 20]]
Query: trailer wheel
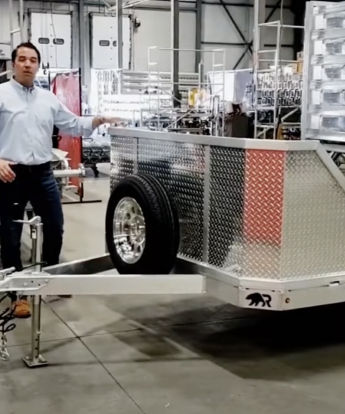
[[142, 228]]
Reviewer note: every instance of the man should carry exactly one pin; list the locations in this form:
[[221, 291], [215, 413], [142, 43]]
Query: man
[[27, 118]]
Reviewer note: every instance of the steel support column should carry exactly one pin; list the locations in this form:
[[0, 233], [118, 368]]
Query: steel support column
[[23, 38], [82, 35], [10, 10], [119, 21], [175, 44], [198, 34], [259, 17], [21, 23]]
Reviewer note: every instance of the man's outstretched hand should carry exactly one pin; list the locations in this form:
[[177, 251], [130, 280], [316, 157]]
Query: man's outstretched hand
[[101, 120], [6, 173]]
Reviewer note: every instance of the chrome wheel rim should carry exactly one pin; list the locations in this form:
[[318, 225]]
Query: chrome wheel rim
[[129, 230]]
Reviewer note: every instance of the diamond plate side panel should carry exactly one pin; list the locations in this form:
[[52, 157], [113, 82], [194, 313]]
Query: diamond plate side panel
[[181, 169], [123, 158], [314, 219], [263, 213], [227, 169]]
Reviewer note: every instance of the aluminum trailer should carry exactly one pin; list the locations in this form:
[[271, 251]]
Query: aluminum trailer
[[263, 221], [262, 225]]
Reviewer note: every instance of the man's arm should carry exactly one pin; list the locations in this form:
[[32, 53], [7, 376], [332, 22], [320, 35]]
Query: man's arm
[[6, 173], [71, 124]]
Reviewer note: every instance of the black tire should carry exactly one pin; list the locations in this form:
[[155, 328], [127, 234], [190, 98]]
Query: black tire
[[173, 218], [161, 221]]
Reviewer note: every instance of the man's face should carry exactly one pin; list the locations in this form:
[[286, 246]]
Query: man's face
[[26, 66]]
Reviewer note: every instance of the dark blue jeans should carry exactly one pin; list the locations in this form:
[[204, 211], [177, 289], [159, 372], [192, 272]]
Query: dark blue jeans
[[36, 184]]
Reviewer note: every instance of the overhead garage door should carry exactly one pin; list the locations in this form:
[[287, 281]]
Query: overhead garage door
[[104, 42], [52, 34]]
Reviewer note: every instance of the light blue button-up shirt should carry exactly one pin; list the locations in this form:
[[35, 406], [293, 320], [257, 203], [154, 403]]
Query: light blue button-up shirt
[[27, 119]]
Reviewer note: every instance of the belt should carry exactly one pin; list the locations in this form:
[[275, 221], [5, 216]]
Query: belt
[[28, 169]]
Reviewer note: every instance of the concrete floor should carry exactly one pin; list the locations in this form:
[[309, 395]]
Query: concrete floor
[[155, 355]]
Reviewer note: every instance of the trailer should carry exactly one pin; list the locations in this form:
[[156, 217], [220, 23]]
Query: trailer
[[262, 221], [256, 223]]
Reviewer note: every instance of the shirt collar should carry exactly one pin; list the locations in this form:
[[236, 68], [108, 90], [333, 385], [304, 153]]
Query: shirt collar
[[21, 87]]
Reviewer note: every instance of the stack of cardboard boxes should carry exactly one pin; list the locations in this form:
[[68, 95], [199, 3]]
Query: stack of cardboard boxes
[[297, 66], [300, 62]]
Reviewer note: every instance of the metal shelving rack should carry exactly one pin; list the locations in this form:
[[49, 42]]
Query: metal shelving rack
[[270, 81], [323, 103], [211, 89]]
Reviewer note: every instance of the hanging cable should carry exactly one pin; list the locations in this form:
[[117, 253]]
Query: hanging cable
[[6, 317]]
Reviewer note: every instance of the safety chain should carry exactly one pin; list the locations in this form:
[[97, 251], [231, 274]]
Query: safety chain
[[5, 317]]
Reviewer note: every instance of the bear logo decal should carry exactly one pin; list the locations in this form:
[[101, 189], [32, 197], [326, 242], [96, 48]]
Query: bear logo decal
[[257, 298]]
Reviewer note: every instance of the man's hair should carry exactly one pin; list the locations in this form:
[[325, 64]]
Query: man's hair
[[28, 45]]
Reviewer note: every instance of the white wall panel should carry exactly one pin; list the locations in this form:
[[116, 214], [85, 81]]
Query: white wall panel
[[104, 29], [155, 30], [232, 55], [217, 26], [269, 35], [55, 29]]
